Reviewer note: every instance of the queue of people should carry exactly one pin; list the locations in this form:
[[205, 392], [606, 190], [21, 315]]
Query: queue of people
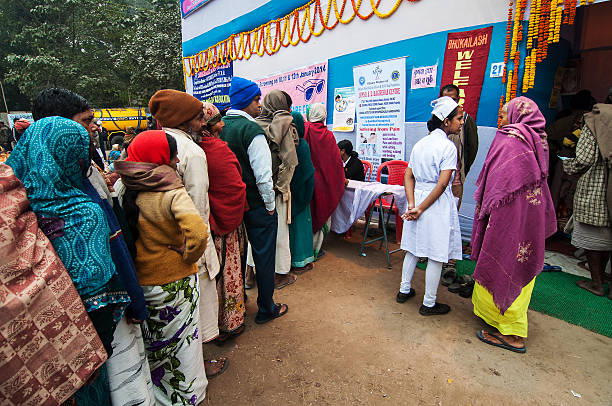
[[148, 259]]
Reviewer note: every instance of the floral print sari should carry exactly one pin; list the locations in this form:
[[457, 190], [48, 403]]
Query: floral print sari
[[173, 347]]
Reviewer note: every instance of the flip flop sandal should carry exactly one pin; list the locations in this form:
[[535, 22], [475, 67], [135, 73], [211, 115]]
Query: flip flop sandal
[[302, 270], [279, 313], [287, 282], [502, 344], [551, 268], [449, 276], [223, 368]]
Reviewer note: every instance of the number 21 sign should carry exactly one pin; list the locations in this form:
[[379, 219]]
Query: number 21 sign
[[497, 70]]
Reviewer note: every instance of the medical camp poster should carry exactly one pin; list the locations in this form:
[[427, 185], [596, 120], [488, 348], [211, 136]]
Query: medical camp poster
[[306, 86], [465, 62], [213, 85], [344, 109], [380, 89]]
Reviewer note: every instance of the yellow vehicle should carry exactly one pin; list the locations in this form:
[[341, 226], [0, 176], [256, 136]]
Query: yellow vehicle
[[117, 121]]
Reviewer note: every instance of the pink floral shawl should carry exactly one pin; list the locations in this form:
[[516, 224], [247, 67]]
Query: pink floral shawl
[[514, 213]]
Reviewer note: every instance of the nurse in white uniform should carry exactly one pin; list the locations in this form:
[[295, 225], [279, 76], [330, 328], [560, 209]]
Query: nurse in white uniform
[[431, 224]]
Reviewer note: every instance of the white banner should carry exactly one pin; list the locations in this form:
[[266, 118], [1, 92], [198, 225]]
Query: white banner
[[344, 109], [423, 77], [380, 88]]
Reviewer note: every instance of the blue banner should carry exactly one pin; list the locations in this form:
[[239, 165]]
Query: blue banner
[[213, 85]]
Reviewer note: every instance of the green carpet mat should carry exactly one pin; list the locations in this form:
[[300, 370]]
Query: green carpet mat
[[556, 294]]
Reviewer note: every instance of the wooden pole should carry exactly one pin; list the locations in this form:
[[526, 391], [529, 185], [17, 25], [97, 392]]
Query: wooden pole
[[4, 98]]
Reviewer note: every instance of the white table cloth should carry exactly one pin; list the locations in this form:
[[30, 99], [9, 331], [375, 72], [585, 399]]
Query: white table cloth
[[358, 196]]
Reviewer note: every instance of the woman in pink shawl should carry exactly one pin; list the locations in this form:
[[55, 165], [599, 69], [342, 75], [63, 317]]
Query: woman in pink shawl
[[329, 173], [514, 215]]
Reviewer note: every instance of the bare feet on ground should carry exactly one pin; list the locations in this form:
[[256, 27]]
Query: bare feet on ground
[[591, 287]]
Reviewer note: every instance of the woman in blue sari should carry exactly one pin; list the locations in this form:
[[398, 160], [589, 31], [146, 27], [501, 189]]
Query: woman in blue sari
[[52, 161]]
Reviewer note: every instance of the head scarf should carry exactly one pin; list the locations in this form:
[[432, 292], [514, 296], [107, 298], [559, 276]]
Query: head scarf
[[599, 122], [513, 179], [35, 286], [277, 122], [302, 183], [298, 120], [212, 117], [316, 113], [50, 164], [329, 170], [146, 167], [150, 146], [526, 124]]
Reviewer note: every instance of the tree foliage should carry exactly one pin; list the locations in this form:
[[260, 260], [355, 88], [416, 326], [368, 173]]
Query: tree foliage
[[115, 53]]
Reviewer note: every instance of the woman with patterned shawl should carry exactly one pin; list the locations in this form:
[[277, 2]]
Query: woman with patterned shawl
[[302, 188], [514, 215], [170, 237], [227, 196], [40, 364], [52, 161], [329, 173]]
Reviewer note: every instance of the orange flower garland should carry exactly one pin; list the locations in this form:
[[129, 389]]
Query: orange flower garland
[[298, 26], [543, 28]]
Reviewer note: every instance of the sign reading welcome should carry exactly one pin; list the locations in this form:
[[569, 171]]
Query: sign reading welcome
[[465, 62]]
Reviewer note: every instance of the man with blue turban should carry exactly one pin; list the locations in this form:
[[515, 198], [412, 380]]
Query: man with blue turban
[[248, 142]]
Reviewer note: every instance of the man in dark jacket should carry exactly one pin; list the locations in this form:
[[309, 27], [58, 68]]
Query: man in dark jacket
[[466, 142]]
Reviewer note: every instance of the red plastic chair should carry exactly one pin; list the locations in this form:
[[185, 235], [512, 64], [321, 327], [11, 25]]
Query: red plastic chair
[[367, 169], [396, 170]]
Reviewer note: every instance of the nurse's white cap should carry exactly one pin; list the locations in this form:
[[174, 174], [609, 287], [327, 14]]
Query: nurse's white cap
[[443, 106]]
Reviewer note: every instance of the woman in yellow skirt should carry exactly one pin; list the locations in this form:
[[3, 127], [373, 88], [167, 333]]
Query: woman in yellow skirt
[[514, 215]]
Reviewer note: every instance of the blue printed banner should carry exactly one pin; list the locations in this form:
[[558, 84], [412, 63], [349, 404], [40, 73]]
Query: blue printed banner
[[213, 85]]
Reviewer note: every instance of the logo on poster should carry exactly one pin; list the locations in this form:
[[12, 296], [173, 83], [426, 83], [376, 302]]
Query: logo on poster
[[395, 75], [377, 71], [310, 86], [361, 80]]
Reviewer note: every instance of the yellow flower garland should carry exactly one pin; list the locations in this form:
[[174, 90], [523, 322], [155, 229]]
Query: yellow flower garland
[[281, 32]]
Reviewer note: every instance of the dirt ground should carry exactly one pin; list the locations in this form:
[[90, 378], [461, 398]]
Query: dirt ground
[[345, 341]]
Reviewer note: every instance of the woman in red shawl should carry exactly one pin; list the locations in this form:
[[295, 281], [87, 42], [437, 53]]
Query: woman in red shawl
[[514, 215], [329, 173], [227, 195]]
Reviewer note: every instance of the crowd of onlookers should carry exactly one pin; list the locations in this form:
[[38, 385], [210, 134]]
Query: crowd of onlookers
[[120, 265]]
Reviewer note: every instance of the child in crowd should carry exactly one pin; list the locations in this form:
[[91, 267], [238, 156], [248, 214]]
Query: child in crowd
[[113, 155], [431, 224]]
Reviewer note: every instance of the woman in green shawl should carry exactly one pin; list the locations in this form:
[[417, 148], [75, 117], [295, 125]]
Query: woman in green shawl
[[302, 188]]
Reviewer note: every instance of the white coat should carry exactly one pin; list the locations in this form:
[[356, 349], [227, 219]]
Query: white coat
[[435, 234]]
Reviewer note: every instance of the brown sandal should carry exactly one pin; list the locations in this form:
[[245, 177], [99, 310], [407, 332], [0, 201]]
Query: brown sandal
[[223, 360]]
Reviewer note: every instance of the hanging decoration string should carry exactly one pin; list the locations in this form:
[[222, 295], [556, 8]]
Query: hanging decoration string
[[543, 29], [298, 26]]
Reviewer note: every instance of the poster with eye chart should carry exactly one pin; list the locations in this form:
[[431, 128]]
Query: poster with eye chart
[[344, 109], [305, 86], [380, 90]]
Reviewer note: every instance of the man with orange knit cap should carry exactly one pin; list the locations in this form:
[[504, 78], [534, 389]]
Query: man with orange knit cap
[[181, 116]]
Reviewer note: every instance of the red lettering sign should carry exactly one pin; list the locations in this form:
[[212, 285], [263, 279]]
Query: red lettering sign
[[465, 62]]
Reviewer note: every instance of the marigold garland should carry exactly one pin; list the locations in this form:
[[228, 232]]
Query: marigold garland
[[543, 28], [298, 26]]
